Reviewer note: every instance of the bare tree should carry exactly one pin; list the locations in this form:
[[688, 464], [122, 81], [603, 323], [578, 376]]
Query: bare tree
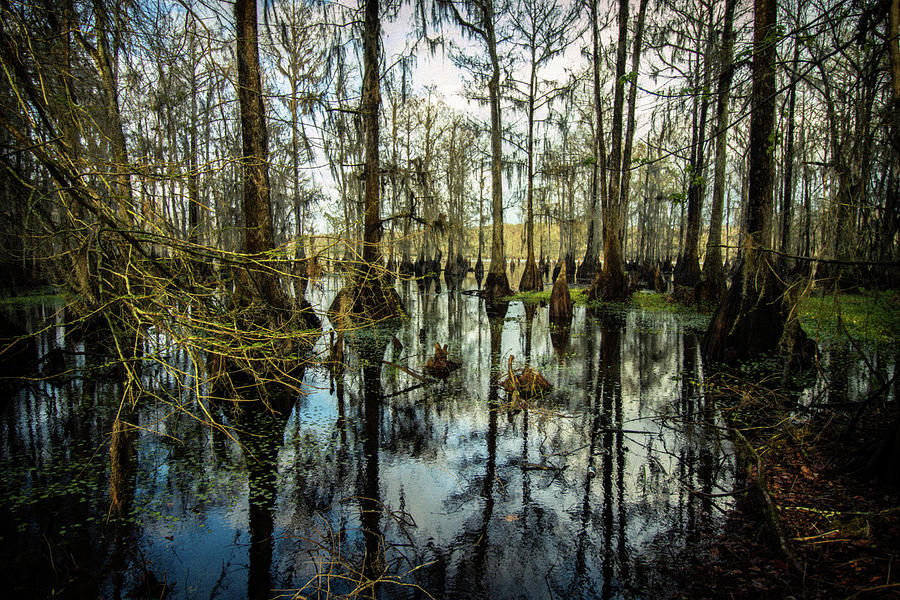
[[479, 19], [542, 30]]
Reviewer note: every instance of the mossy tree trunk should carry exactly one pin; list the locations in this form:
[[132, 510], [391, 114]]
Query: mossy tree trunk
[[371, 101], [368, 297]]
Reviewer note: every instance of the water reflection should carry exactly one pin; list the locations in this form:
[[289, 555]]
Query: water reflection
[[370, 488], [261, 432], [371, 476]]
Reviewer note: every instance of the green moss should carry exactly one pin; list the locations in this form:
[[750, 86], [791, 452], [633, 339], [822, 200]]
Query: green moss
[[871, 316], [578, 295], [656, 302]]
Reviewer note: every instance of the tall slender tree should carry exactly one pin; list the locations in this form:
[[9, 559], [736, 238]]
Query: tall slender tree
[[590, 265], [713, 268], [368, 296], [542, 30], [256, 199], [479, 21], [754, 317], [637, 46], [687, 271], [610, 285], [370, 105]]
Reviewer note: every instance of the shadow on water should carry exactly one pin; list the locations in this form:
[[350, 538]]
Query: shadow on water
[[372, 483]]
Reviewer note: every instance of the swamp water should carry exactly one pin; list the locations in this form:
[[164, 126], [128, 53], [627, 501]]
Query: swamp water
[[447, 488]]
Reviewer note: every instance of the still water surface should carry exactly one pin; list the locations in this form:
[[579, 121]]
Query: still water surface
[[445, 488]]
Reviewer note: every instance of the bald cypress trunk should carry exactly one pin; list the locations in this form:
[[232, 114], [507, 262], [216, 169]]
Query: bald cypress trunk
[[256, 208], [369, 297], [371, 101], [497, 284], [753, 319], [591, 263], [610, 285], [531, 279], [713, 269], [258, 284]]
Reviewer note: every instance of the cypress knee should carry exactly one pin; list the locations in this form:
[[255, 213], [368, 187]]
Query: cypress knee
[[560, 301]]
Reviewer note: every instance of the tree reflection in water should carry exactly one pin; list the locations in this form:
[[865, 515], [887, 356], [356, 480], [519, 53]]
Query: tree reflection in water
[[371, 478]]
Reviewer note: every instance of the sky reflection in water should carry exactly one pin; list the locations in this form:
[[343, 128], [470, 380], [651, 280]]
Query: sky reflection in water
[[446, 486]]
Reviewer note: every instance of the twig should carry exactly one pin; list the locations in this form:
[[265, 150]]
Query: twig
[[810, 538], [406, 390], [875, 588], [529, 466], [694, 492], [409, 372]]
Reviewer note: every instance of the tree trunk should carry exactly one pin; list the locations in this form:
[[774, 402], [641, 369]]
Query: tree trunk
[[610, 285], [713, 270], [591, 263], [258, 236], [261, 357], [893, 195], [787, 204], [371, 100], [256, 285], [368, 298], [560, 300], [497, 284], [632, 100], [531, 279], [687, 272], [753, 318]]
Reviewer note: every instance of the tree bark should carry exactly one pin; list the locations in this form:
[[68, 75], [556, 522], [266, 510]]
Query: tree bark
[[258, 234], [893, 200], [610, 285], [497, 284], [591, 263], [367, 298], [560, 301], [371, 101], [531, 279], [713, 270], [753, 318], [257, 285]]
